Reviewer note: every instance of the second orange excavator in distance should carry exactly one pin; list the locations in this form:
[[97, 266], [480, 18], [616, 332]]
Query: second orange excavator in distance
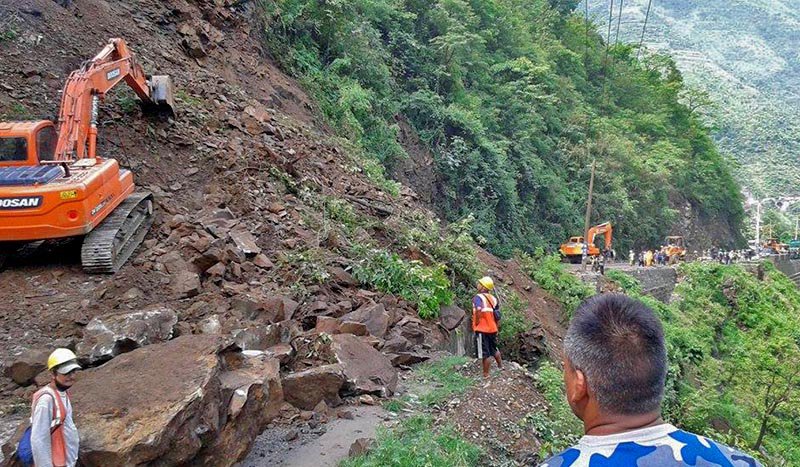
[[572, 250], [53, 184]]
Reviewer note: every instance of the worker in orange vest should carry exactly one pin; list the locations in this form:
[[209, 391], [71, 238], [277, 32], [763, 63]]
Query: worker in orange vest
[[54, 436], [484, 324]]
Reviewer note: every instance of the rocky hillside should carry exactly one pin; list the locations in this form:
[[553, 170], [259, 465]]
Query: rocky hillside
[[743, 54], [271, 236]]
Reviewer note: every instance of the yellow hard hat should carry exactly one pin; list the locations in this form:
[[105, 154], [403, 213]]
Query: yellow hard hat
[[487, 282], [60, 357]]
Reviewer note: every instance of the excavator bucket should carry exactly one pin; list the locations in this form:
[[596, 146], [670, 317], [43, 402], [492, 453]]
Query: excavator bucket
[[161, 94]]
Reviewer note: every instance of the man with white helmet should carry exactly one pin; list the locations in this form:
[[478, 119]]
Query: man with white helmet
[[54, 436]]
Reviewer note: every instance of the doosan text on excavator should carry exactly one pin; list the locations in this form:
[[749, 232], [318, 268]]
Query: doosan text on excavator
[[53, 184]]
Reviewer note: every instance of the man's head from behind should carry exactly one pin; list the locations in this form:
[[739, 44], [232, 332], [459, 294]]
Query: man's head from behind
[[615, 358]]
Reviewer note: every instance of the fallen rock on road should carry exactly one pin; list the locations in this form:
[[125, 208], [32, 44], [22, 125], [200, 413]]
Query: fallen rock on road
[[174, 403]]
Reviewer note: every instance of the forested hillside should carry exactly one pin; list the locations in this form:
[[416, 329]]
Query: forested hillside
[[502, 105], [743, 53]]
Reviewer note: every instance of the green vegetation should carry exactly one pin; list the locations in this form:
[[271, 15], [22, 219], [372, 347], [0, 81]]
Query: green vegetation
[[128, 103], [513, 324], [508, 95], [393, 405], [187, 99], [425, 286], [551, 274], [9, 26], [416, 442], [451, 246], [557, 428], [627, 282], [733, 344], [445, 377], [16, 111]]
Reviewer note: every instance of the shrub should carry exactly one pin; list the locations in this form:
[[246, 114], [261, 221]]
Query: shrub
[[513, 324], [626, 282], [425, 286]]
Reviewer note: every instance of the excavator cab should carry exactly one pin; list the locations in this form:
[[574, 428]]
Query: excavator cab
[[24, 148], [27, 143]]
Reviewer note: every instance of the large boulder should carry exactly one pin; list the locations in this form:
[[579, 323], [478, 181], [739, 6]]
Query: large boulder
[[258, 337], [366, 369], [373, 315], [105, 337], [25, 366], [305, 389], [255, 397], [174, 403], [451, 316]]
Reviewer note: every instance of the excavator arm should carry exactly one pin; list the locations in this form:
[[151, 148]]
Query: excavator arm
[[604, 229], [77, 120]]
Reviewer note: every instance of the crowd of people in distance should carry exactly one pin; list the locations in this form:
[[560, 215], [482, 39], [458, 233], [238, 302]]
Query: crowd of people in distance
[[647, 258], [725, 256]]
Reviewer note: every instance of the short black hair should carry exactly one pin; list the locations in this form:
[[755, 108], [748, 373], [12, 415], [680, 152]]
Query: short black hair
[[618, 343]]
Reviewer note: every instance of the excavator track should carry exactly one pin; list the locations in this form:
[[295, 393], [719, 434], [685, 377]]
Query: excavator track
[[106, 248]]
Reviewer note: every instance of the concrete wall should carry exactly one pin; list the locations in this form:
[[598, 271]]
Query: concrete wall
[[790, 267], [657, 281]]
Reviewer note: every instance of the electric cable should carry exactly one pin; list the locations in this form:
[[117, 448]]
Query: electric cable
[[644, 28]]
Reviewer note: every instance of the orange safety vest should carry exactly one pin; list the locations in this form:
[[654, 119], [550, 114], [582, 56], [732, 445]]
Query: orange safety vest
[[483, 316], [58, 445]]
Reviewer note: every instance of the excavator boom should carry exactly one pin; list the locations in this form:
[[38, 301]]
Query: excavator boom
[[85, 87]]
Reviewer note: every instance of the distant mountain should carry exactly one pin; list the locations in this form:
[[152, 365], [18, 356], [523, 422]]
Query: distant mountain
[[745, 54]]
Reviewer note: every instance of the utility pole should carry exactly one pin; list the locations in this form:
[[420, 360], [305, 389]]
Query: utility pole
[[589, 202]]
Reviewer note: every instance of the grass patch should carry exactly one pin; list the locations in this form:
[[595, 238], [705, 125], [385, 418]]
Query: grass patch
[[417, 443], [447, 379], [394, 405]]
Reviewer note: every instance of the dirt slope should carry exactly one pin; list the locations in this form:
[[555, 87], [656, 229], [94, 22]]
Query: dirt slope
[[246, 147]]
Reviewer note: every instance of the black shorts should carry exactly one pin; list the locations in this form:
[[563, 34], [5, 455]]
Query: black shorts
[[486, 344]]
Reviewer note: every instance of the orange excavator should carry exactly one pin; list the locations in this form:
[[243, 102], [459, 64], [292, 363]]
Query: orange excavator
[[572, 250], [53, 184], [674, 248]]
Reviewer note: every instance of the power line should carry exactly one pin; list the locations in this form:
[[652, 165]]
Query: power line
[[586, 41], [619, 21], [644, 28], [608, 43], [610, 21]]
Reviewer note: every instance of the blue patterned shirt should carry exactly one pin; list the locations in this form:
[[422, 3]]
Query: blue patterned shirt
[[661, 445]]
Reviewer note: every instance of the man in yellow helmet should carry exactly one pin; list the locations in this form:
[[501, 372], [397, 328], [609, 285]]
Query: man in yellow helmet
[[485, 310], [54, 436]]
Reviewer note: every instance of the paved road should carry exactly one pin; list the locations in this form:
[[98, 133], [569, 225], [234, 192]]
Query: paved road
[[272, 450]]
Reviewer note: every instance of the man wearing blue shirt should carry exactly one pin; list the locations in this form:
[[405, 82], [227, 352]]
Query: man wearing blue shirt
[[615, 367]]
